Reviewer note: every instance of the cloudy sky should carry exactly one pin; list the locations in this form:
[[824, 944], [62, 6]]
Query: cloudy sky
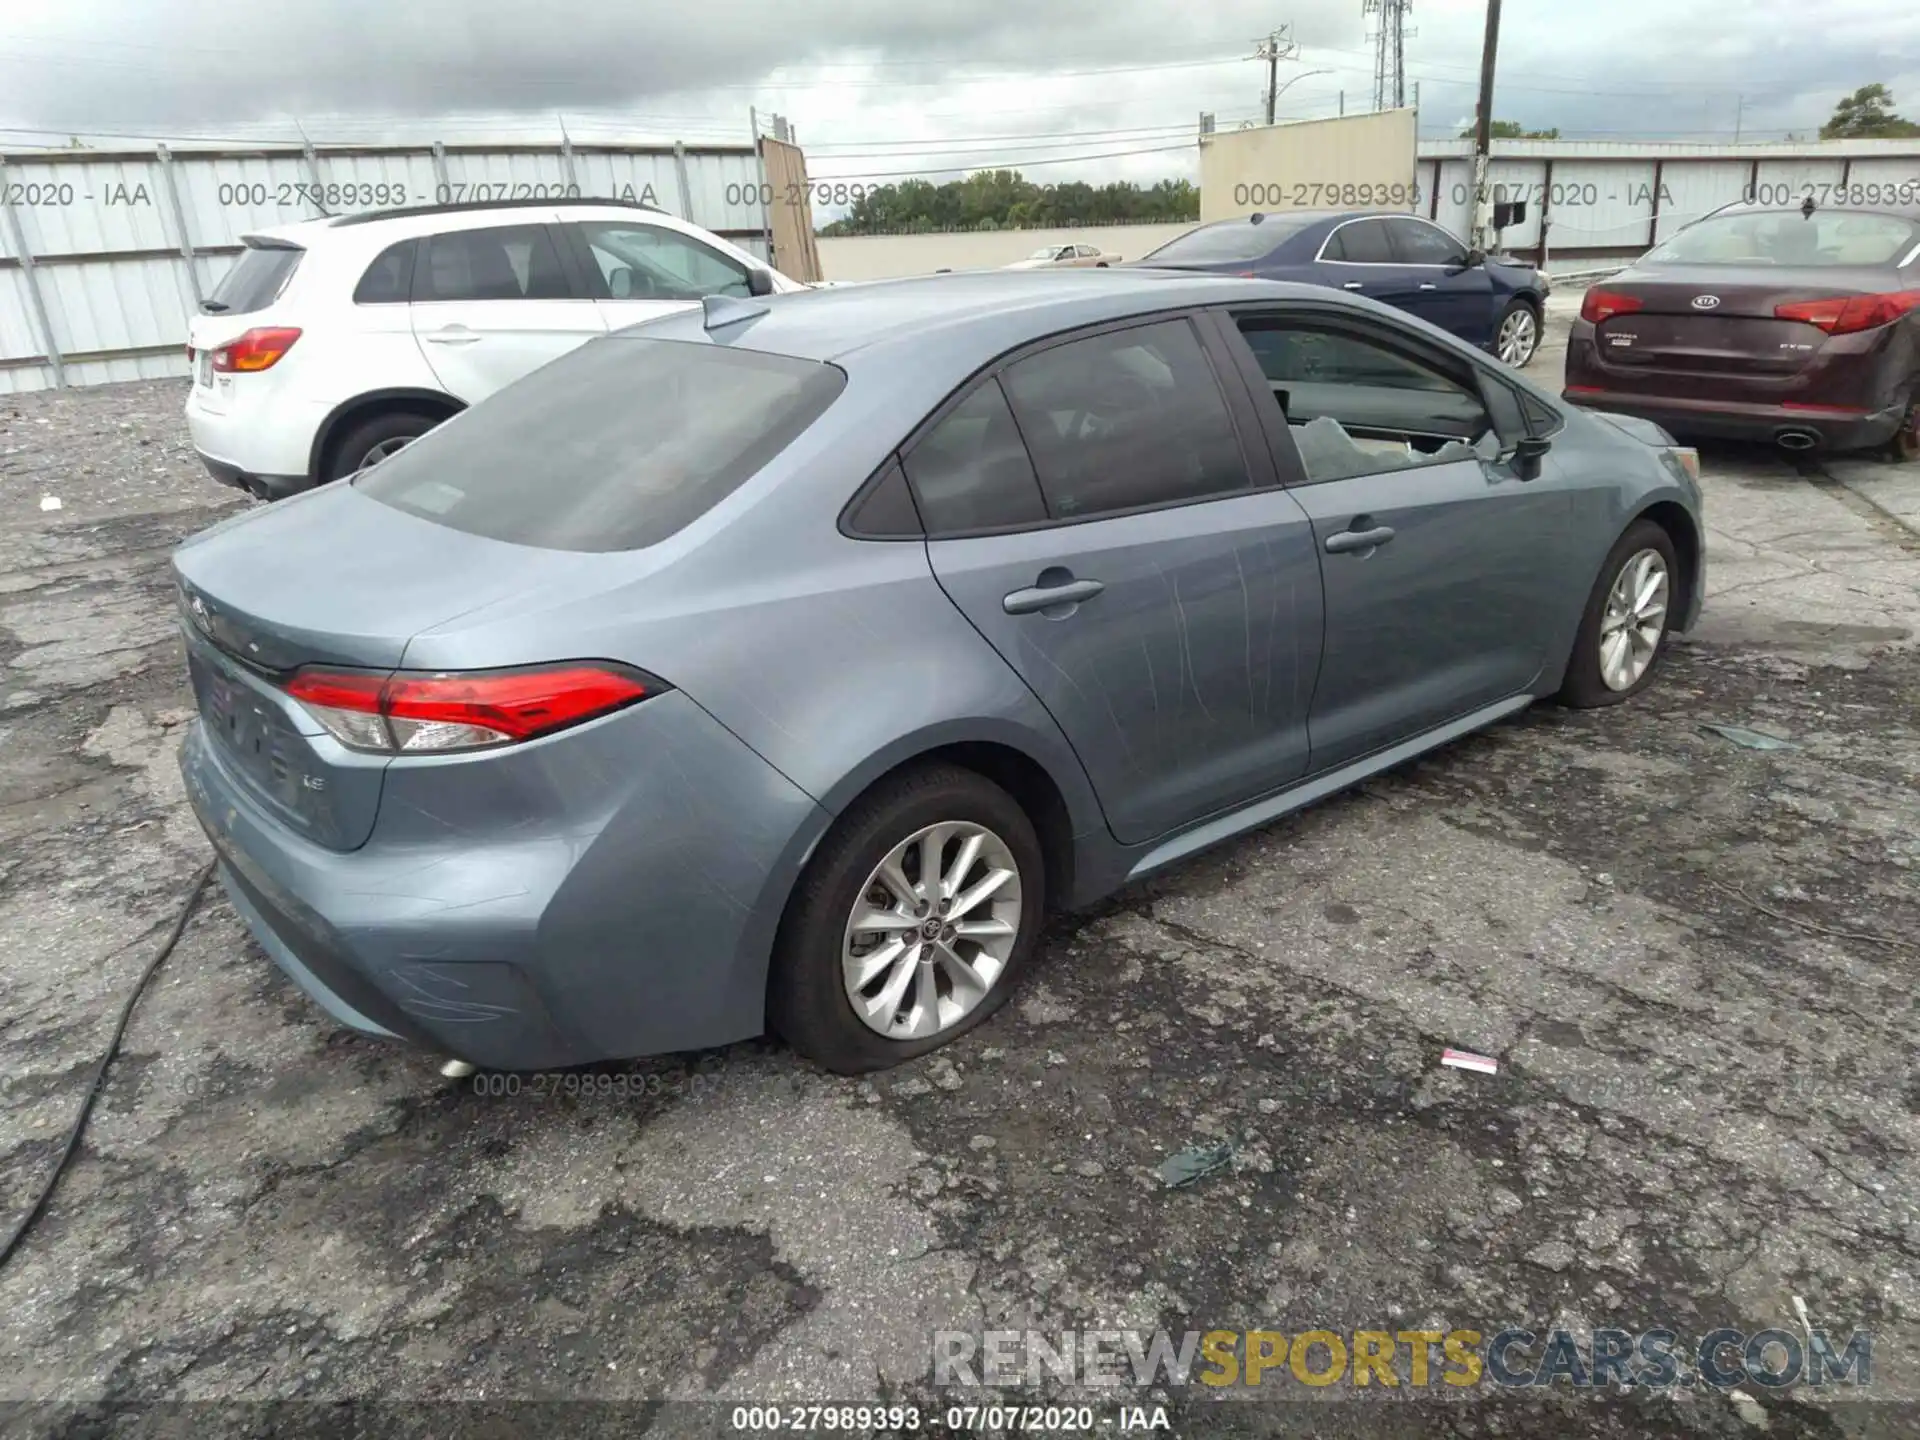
[[1086, 89]]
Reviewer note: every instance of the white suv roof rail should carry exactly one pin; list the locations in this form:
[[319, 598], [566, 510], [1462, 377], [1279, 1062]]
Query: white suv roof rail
[[368, 217]]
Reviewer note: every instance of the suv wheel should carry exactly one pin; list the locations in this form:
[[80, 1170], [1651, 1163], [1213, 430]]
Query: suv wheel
[[372, 441], [911, 924]]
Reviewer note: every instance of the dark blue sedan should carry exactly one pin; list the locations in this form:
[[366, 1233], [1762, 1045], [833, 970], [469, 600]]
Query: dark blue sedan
[[1494, 302]]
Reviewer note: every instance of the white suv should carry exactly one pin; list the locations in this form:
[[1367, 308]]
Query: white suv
[[332, 343]]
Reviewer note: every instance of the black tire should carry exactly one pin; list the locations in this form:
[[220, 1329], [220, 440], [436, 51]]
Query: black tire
[[1584, 688], [351, 449], [1539, 328], [1100, 265], [807, 1002]]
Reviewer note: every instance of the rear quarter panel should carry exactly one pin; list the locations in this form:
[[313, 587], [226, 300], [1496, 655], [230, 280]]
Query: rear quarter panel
[[834, 659]]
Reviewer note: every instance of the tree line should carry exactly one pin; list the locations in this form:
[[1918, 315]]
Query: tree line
[[1007, 200]]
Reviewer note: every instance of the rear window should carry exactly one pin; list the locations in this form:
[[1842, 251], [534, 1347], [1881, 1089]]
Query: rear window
[[615, 446], [1235, 240], [1787, 237], [256, 279]]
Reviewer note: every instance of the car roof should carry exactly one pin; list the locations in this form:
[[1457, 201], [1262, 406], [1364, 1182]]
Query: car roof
[[1900, 211], [390, 225], [965, 319], [1305, 217]]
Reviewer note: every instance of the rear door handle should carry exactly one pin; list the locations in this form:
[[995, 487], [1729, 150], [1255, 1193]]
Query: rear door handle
[[1346, 540], [452, 335], [1429, 287], [1353, 285], [1046, 597]]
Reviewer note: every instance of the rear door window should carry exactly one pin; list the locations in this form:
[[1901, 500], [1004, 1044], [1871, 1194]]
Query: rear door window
[[615, 446], [256, 279], [971, 471], [503, 262], [1126, 420], [1363, 242]]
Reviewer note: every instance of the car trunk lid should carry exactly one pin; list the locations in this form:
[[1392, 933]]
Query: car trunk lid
[[1713, 321], [329, 579]]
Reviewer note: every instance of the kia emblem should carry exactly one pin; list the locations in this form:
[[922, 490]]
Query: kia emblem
[[1705, 302]]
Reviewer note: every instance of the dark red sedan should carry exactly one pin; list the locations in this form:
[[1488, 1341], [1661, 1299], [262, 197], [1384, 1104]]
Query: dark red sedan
[[1796, 325]]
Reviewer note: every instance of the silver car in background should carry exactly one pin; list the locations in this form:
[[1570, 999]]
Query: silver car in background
[[1066, 257]]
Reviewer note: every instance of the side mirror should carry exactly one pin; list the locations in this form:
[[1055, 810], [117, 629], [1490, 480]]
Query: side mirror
[[759, 282], [1475, 259], [620, 283], [1527, 455]]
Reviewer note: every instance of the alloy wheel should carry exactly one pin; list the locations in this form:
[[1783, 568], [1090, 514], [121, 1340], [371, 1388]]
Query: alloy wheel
[[1635, 620], [932, 930], [1519, 335]]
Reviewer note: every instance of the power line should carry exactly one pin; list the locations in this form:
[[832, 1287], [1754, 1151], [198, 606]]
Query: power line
[[1024, 165], [925, 143]]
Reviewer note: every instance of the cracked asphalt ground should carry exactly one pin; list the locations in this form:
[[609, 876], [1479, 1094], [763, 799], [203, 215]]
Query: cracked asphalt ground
[[1694, 960]]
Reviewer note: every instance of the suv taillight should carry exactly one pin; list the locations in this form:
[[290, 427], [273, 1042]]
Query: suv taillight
[[256, 350], [1605, 304], [1844, 314], [413, 713]]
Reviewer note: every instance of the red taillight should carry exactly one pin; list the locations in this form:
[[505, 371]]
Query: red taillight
[[255, 350], [1845, 314], [421, 713], [1605, 304]]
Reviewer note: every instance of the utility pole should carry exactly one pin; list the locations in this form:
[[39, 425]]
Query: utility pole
[[1276, 47], [1739, 111], [1483, 133]]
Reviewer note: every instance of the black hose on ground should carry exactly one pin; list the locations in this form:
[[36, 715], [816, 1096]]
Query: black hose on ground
[[98, 1083]]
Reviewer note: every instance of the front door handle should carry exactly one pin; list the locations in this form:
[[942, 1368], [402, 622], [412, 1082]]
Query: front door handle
[[1348, 540], [1352, 285], [1051, 594], [452, 335], [1429, 287]]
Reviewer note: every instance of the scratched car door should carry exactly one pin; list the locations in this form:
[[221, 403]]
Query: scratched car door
[[1094, 513]]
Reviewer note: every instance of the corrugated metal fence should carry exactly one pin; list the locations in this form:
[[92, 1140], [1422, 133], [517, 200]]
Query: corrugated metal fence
[[104, 255], [1593, 202]]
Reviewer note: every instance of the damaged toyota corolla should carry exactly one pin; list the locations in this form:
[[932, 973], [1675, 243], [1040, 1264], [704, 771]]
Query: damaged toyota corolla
[[778, 666]]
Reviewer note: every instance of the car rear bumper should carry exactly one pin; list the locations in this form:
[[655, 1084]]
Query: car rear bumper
[[1830, 428], [259, 435], [264, 487], [608, 893]]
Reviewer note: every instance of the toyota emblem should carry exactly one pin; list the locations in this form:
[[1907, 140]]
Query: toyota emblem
[[1705, 302]]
